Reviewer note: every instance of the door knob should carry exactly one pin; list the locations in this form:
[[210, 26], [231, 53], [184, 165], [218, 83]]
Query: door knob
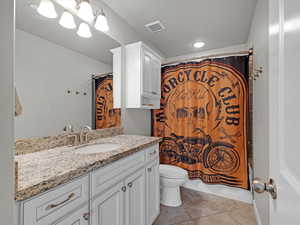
[[260, 187]]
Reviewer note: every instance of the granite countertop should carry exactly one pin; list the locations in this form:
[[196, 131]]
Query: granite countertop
[[41, 171]]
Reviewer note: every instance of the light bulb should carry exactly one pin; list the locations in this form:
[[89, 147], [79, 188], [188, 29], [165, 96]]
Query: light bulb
[[101, 23], [67, 20], [199, 44], [85, 11], [69, 4], [47, 9], [84, 31]]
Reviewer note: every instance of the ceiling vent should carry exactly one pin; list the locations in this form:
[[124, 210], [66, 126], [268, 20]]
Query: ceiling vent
[[155, 26]]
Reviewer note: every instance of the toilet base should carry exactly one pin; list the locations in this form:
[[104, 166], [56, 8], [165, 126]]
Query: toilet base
[[170, 196]]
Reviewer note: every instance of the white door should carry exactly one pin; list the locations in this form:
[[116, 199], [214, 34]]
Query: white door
[[153, 189], [79, 217], [135, 199], [108, 207], [260, 39], [285, 110]]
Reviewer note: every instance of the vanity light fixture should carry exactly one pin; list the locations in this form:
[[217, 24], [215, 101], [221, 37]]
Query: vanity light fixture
[[84, 31], [46, 8], [85, 11], [67, 20], [101, 23], [198, 44], [68, 4]]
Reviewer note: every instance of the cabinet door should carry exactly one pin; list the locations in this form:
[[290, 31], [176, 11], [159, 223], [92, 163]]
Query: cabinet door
[[153, 189], [79, 217], [146, 72], [156, 76], [108, 207], [135, 199]]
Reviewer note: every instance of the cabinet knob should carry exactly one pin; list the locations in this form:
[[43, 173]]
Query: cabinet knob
[[86, 216], [149, 170], [130, 184], [124, 188]]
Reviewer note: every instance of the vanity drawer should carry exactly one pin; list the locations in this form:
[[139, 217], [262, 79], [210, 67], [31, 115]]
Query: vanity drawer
[[49, 207], [109, 175], [152, 152]]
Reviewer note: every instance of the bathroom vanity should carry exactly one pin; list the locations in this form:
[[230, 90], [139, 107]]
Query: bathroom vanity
[[69, 187]]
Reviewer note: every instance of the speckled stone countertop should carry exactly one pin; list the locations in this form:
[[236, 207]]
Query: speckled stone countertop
[[41, 171]]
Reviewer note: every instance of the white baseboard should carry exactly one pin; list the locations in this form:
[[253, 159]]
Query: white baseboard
[[256, 213], [220, 190]]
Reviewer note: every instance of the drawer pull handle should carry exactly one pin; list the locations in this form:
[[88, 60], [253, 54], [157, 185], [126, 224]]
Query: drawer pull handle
[[124, 188], [130, 184], [52, 206], [149, 170]]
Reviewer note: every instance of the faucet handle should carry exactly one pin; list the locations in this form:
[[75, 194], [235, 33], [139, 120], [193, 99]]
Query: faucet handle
[[86, 127], [69, 128]]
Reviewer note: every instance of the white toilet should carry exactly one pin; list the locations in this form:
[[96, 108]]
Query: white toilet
[[171, 178]]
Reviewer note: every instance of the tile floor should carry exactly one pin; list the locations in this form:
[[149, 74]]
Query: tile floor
[[204, 209]]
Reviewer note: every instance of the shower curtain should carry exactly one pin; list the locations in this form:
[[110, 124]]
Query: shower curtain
[[105, 115], [203, 119]]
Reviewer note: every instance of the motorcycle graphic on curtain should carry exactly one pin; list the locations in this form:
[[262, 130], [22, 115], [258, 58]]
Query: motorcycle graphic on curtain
[[105, 116], [203, 119]]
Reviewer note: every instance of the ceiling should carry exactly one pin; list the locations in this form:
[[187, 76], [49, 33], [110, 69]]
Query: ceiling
[[97, 47], [218, 23]]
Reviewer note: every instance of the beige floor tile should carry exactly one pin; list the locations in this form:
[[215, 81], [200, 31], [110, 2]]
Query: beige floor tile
[[204, 209], [172, 215], [219, 219], [244, 215], [186, 223]]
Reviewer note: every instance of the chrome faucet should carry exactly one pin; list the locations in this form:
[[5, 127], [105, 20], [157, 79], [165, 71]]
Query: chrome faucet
[[70, 132], [84, 131]]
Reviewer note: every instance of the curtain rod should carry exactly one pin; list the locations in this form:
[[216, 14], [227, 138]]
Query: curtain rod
[[101, 75], [249, 52]]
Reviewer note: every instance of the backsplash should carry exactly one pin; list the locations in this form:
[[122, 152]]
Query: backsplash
[[30, 145]]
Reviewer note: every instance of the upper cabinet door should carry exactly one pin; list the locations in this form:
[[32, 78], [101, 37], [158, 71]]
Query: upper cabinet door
[[156, 77], [147, 71], [108, 207], [135, 199]]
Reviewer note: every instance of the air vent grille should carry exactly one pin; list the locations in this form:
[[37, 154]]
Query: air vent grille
[[155, 26]]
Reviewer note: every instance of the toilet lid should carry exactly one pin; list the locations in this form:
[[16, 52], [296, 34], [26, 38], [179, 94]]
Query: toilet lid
[[173, 172]]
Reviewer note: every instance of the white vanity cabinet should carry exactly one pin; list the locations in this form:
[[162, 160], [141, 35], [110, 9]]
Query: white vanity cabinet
[[78, 217], [135, 201], [125, 192], [143, 76], [108, 207], [57, 204], [152, 192]]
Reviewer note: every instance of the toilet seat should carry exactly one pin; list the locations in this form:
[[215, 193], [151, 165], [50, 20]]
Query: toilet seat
[[172, 172]]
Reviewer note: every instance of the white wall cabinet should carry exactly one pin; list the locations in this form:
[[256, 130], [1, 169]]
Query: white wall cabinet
[[117, 77], [125, 192], [143, 76]]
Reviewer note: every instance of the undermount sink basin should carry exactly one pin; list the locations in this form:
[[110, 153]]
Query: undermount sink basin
[[97, 148]]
